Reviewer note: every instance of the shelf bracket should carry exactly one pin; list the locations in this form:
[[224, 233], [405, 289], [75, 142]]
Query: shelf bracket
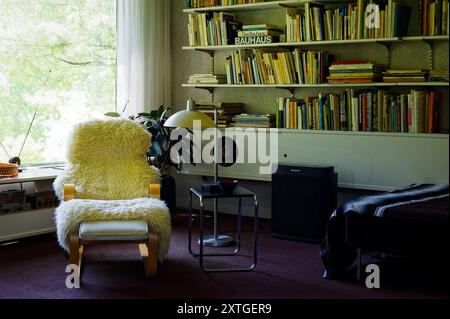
[[283, 5], [211, 69], [290, 89], [210, 52], [209, 89], [388, 46], [430, 53]]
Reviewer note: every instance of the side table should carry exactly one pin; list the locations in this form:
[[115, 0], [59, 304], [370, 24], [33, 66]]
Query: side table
[[240, 193]]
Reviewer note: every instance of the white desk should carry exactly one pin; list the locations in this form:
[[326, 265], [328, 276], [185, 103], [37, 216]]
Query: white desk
[[31, 222]]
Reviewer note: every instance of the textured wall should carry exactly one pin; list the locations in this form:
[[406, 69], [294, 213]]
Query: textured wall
[[412, 54]]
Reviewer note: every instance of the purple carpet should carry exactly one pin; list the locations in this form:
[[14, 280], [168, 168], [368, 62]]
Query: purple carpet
[[35, 268]]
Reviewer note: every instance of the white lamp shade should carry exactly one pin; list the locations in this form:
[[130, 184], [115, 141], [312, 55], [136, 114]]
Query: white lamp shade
[[185, 119]]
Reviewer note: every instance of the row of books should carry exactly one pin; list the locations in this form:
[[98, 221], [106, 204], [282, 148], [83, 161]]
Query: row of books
[[356, 71], [214, 3], [379, 111], [315, 23], [256, 67], [254, 120], [225, 111], [434, 17], [212, 28], [244, 67]]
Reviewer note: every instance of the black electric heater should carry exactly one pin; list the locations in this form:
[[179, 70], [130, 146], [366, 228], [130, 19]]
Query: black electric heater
[[303, 198]]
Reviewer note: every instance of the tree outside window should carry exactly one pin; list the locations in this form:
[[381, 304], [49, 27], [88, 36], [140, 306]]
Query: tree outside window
[[73, 44]]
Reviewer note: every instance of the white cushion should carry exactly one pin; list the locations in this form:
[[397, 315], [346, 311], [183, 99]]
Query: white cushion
[[113, 230]]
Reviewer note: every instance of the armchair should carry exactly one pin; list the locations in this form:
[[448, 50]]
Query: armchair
[[109, 193]]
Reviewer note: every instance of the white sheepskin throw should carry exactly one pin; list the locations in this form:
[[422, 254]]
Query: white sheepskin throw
[[107, 161], [70, 214]]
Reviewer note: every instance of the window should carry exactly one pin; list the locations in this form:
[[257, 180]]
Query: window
[[58, 61]]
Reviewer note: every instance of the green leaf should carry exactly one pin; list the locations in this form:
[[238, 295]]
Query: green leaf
[[162, 117], [156, 149], [161, 140], [144, 114], [112, 114]]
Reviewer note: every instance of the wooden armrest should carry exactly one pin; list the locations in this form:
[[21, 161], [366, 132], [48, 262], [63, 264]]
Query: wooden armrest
[[154, 190], [69, 192]]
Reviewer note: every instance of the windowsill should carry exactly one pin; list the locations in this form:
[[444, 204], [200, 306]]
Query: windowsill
[[59, 165]]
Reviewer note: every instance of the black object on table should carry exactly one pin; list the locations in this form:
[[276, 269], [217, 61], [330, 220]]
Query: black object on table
[[240, 193]]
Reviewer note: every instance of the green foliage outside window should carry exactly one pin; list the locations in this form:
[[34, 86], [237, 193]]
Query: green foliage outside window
[[76, 41]]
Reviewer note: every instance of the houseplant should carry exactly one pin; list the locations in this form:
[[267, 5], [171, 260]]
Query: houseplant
[[158, 154]]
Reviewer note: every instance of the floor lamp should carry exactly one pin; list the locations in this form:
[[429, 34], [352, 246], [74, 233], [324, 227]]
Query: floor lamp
[[185, 119]]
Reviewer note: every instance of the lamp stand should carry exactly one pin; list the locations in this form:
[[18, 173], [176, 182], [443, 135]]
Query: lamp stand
[[216, 240]]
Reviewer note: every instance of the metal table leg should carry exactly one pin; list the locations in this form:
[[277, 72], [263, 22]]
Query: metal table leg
[[235, 252], [255, 241]]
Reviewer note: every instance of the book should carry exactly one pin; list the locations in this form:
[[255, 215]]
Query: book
[[274, 33], [249, 40], [259, 27], [348, 62], [401, 20]]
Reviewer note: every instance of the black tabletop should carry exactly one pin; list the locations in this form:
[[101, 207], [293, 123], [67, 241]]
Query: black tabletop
[[237, 192]]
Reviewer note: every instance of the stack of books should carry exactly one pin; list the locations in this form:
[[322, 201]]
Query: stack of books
[[225, 111], [405, 75], [355, 72], [207, 79], [365, 110], [257, 67], [214, 3], [438, 76], [434, 17], [316, 23], [212, 29], [254, 120], [258, 34]]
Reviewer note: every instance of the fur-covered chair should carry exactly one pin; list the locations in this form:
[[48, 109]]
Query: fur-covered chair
[[109, 193]]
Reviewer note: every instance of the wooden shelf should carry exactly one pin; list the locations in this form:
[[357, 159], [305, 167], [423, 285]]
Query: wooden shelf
[[427, 38], [325, 85], [270, 5], [364, 133], [330, 132], [317, 43], [252, 6]]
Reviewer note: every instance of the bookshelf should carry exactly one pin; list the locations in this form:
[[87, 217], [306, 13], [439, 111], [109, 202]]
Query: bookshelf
[[414, 149]]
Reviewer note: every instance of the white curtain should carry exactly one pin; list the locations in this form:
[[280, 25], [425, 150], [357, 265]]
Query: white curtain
[[143, 55]]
